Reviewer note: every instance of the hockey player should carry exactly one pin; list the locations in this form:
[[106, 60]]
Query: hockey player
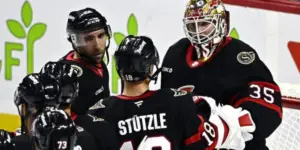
[[101, 130], [89, 34], [36, 93], [166, 118], [226, 69], [6, 140], [53, 129]]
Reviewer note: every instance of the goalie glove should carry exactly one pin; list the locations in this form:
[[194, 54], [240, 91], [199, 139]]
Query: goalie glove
[[233, 125]]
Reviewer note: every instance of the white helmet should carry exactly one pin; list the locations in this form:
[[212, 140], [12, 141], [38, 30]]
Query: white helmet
[[205, 25]]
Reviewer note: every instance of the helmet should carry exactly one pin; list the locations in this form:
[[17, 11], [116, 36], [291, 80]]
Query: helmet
[[134, 58], [6, 142], [37, 92], [83, 21], [205, 25], [53, 129], [67, 78]]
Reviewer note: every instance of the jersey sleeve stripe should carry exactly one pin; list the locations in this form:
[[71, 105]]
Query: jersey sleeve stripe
[[260, 102], [196, 137]]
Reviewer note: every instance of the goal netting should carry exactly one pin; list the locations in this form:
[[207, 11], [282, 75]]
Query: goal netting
[[287, 135]]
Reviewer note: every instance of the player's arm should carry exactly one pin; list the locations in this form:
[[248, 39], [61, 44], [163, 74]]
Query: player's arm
[[174, 52], [85, 140], [166, 70], [103, 133], [261, 96], [220, 130]]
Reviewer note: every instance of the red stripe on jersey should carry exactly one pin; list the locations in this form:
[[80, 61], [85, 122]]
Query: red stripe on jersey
[[197, 99], [233, 98], [266, 84], [73, 116], [196, 137], [260, 102], [146, 94], [97, 70]]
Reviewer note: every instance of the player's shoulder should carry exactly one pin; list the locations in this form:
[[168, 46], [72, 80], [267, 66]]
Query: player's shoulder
[[69, 59], [23, 142], [21, 137], [183, 42], [173, 94], [178, 47], [82, 133], [239, 52], [110, 101]]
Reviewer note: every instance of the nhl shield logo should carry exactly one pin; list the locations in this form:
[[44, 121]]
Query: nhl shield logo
[[246, 58]]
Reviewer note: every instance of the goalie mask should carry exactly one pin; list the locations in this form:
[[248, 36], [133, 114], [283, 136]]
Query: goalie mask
[[135, 58], [205, 25]]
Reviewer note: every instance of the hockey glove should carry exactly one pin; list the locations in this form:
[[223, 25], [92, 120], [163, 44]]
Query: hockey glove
[[233, 125]]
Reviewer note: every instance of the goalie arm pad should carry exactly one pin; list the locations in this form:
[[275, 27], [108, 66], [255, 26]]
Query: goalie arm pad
[[263, 100]]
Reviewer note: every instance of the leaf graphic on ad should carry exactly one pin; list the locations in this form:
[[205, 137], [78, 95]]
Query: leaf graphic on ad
[[16, 29], [118, 36], [132, 25], [26, 13], [37, 31], [234, 34]]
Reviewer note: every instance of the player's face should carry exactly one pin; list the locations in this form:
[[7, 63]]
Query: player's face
[[95, 44], [201, 28]]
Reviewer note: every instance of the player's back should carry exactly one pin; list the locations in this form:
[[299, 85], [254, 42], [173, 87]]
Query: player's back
[[160, 115]]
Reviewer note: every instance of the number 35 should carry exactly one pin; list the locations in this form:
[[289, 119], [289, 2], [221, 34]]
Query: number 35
[[262, 92]]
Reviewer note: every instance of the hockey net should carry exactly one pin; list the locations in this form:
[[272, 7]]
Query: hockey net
[[287, 135]]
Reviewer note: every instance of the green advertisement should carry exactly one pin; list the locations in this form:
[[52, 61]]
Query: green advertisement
[[28, 33]]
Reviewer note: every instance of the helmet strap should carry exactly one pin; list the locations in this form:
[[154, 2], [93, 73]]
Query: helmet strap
[[154, 76]]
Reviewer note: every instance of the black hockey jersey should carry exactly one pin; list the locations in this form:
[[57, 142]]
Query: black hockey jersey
[[93, 83], [84, 141], [22, 142], [167, 117], [102, 132], [235, 75]]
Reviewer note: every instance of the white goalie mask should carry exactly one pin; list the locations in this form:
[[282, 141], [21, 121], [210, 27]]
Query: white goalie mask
[[205, 25]]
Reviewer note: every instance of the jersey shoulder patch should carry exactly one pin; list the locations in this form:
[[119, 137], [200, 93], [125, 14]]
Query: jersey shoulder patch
[[240, 52], [245, 57]]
